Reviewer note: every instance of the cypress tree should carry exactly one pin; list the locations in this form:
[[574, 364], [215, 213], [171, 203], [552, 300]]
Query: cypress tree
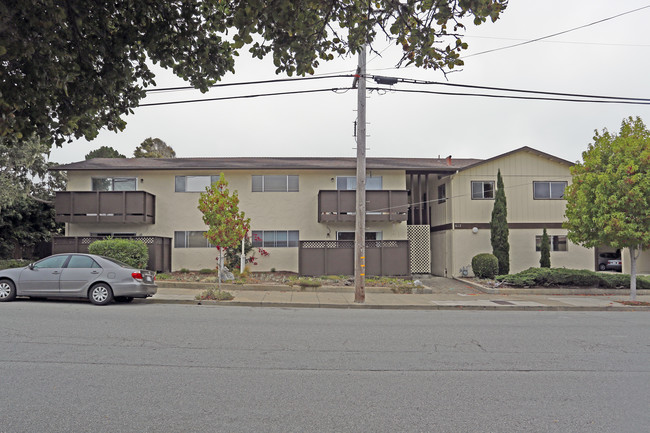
[[499, 228], [545, 260]]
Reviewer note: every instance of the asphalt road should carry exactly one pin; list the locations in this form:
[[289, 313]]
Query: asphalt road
[[74, 367]]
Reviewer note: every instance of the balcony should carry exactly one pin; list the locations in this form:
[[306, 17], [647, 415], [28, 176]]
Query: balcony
[[105, 207], [381, 206]]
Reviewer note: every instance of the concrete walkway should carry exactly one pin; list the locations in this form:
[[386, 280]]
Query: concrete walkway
[[440, 294]]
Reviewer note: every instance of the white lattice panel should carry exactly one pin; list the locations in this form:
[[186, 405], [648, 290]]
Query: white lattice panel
[[420, 248]]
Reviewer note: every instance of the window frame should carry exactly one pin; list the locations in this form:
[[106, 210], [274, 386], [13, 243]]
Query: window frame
[[180, 182], [483, 182], [354, 184], [550, 189], [112, 180], [186, 239], [291, 238], [555, 241], [292, 183]]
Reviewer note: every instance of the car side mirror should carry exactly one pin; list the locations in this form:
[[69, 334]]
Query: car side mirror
[[31, 266]]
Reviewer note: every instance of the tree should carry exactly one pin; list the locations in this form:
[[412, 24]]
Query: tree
[[227, 225], [545, 249], [71, 68], [24, 172], [608, 201], [499, 228], [154, 148], [104, 152]]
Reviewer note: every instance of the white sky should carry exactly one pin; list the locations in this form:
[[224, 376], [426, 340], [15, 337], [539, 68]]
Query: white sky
[[610, 58]]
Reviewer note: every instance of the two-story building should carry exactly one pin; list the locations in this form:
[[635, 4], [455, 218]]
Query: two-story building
[[424, 215]]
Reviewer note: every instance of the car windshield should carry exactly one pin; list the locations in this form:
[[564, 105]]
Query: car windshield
[[117, 262]]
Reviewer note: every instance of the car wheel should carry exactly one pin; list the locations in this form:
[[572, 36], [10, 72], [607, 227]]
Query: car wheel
[[602, 267], [7, 291], [123, 299], [100, 294]]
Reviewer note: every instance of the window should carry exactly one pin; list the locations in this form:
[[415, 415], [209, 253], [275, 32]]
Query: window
[[549, 190], [113, 234], [349, 236], [191, 239], [275, 183], [558, 243], [114, 183], [82, 262], [51, 262], [482, 190], [275, 238], [194, 183], [442, 193], [349, 183]]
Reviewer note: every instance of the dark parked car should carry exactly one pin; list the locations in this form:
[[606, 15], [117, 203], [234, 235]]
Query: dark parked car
[[604, 260], [98, 278]]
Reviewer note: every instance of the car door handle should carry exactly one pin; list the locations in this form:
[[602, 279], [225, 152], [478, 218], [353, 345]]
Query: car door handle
[[56, 272], [94, 272]]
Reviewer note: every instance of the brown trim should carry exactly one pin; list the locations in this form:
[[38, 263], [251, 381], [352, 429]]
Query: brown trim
[[486, 226]]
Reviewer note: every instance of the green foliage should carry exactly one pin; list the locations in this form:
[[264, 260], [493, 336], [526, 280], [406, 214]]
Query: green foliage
[[184, 271], [104, 152], [556, 277], [154, 148], [305, 282], [545, 251], [485, 265], [163, 277], [227, 225], [608, 202], [206, 271], [13, 263], [499, 228], [104, 50], [214, 294], [131, 252]]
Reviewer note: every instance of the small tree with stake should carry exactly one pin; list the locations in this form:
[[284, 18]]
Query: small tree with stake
[[227, 225]]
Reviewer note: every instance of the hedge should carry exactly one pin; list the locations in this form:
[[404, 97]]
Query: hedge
[[485, 265], [552, 277], [131, 252]]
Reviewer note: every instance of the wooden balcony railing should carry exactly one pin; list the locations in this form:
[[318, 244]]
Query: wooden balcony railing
[[105, 207], [381, 205]]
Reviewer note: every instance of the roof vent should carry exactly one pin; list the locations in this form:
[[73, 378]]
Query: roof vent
[[449, 160]]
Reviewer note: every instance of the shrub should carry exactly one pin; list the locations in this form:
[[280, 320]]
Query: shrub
[[214, 294], [133, 253], [13, 263], [485, 265], [205, 271], [184, 271], [546, 277]]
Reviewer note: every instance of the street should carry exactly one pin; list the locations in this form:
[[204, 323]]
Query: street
[[74, 367]]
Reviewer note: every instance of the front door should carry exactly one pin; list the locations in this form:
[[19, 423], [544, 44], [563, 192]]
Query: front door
[[43, 277]]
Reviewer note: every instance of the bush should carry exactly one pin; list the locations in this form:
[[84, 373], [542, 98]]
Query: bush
[[133, 253], [184, 271], [206, 271], [13, 263], [485, 265], [552, 277], [215, 294]]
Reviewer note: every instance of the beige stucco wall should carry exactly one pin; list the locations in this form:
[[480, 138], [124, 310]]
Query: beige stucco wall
[[267, 211], [642, 262]]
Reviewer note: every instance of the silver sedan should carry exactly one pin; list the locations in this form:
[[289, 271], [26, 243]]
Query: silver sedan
[[98, 278]]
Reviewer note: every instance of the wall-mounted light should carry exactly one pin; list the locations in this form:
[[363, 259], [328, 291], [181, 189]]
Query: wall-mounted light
[[474, 230]]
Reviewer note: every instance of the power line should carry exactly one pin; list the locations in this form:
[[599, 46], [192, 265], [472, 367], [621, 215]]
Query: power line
[[247, 83], [503, 89], [557, 34], [605, 44]]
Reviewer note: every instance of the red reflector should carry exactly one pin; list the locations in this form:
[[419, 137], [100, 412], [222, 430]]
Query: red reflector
[[137, 275]]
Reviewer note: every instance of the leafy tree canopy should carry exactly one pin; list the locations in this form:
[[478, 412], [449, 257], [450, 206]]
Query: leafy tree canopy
[[608, 202], [154, 148], [71, 68], [104, 152]]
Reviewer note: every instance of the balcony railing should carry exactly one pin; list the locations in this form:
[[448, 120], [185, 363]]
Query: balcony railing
[[381, 206], [105, 207]]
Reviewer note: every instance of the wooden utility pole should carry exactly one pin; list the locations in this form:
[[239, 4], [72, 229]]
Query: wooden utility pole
[[360, 216]]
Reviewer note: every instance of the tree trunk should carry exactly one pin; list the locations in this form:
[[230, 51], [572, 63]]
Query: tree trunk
[[220, 265], [633, 257]]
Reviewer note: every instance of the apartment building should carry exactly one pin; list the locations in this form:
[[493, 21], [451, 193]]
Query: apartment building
[[424, 215]]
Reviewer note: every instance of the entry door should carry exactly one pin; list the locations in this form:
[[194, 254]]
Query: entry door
[[43, 279]]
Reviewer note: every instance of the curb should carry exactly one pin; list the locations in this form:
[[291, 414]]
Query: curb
[[394, 307]]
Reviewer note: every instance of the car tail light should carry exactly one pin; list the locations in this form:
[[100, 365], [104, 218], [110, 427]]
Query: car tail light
[[137, 276]]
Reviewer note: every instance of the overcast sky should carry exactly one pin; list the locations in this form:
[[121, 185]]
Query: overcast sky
[[609, 58]]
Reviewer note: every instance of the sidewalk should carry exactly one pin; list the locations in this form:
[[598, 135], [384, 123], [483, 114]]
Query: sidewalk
[[458, 297]]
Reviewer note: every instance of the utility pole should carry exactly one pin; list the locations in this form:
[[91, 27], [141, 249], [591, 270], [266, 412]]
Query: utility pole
[[360, 216]]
